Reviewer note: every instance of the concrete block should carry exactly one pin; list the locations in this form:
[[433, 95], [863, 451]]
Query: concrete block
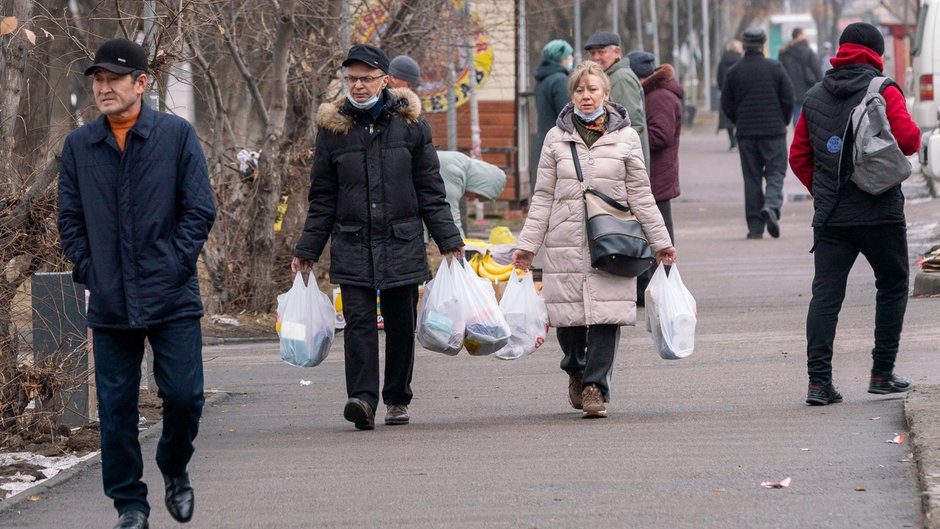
[[926, 284]]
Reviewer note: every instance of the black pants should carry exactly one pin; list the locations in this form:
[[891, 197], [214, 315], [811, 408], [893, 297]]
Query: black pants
[[177, 369], [643, 280], [361, 343], [590, 349], [885, 248], [762, 160]]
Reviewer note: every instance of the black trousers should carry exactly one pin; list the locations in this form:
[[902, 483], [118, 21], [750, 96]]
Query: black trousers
[[361, 343], [590, 349], [763, 160], [885, 248], [177, 369]]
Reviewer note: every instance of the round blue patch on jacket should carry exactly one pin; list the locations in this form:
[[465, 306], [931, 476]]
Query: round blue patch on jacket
[[834, 144]]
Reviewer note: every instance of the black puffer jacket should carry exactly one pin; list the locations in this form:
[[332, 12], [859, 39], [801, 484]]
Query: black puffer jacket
[[372, 185], [802, 65], [728, 59], [826, 111], [757, 97]]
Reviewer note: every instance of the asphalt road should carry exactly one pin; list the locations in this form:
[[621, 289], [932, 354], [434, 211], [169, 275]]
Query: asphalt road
[[494, 444]]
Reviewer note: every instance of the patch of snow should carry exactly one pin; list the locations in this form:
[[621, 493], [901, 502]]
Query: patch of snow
[[51, 467]]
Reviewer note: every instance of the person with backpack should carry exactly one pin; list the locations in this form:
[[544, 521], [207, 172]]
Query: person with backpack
[[849, 221]]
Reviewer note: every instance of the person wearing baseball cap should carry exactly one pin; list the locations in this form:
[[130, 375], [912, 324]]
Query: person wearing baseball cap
[[848, 221], [135, 208], [404, 72], [757, 97], [375, 184], [604, 49]]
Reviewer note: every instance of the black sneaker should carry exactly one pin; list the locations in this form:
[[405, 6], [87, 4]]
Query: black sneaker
[[773, 223], [821, 393], [884, 384]]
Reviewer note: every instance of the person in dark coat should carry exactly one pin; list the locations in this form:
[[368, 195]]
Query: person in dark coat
[[758, 98], [802, 65], [135, 208], [551, 95], [732, 54], [664, 123], [375, 178], [849, 221]]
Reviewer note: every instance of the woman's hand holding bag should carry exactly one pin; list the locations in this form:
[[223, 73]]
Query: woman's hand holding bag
[[307, 318], [670, 314]]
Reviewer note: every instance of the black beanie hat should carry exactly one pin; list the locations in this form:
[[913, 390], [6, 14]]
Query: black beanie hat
[[863, 34]]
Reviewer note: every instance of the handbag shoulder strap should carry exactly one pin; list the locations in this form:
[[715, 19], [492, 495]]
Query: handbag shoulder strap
[[577, 168]]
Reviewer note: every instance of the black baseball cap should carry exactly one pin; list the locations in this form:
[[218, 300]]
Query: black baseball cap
[[119, 56], [369, 55]]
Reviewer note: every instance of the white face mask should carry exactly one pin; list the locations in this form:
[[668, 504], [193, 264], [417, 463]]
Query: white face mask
[[365, 105], [589, 117], [569, 65]]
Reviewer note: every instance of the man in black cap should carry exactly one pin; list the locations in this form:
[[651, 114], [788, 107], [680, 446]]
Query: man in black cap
[[375, 179], [757, 97], [625, 89], [849, 221], [135, 208]]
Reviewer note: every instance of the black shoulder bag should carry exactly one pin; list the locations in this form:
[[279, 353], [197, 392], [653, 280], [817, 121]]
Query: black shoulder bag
[[615, 237]]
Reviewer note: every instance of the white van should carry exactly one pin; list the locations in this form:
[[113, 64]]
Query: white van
[[925, 65]]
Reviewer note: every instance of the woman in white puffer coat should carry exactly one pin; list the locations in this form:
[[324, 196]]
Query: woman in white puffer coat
[[587, 305]]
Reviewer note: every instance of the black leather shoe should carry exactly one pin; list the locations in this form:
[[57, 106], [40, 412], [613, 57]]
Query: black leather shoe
[[820, 393], [179, 497], [358, 412], [773, 223], [132, 520], [882, 385]]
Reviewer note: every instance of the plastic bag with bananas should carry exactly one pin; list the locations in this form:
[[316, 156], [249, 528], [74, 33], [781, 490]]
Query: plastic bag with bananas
[[487, 268]]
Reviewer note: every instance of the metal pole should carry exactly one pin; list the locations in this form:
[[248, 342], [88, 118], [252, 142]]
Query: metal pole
[[675, 31], [655, 24], [345, 22], [639, 24], [522, 104], [706, 56], [451, 90], [150, 13], [577, 31], [474, 108], [615, 5]]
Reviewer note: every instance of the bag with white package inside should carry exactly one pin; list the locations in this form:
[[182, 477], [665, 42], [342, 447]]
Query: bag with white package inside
[[487, 330], [526, 315], [306, 323], [440, 316], [670, 314]]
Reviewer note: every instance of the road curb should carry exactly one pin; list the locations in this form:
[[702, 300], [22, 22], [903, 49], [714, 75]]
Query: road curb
[[218, 340], [922, 412], [90, 463]]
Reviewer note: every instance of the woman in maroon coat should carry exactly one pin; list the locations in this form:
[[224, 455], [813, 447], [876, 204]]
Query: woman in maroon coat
[[664, 123]]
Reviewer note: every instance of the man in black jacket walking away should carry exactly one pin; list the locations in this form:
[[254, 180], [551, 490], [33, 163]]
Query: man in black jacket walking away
[[758, 98], [802, 65], [375, 178]]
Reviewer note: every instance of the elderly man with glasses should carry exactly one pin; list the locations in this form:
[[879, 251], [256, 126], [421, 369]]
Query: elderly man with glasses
[[375, 180]]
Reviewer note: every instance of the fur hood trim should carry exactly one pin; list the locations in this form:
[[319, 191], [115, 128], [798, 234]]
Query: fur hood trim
[[337, 115]]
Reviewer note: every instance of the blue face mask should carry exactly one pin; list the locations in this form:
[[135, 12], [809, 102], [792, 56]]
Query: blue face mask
[[366, 105], [589, 117]]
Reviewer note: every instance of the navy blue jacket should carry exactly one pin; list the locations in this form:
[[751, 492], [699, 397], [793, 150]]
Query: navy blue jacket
[[133, 223]]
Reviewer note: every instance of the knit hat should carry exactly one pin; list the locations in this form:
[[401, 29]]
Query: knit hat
[[556, 50], [642, 63], [405, 68], [863, 34]]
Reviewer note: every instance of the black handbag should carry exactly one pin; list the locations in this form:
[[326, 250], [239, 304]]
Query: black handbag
[[615, 237]]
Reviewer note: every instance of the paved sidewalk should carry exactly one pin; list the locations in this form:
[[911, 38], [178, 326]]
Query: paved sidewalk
[[494, 444]]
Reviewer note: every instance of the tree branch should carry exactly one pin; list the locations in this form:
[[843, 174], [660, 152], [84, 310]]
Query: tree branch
[[243, 69]]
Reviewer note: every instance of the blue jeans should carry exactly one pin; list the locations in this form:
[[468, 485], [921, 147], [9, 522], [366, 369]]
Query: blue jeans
[[177, 368]]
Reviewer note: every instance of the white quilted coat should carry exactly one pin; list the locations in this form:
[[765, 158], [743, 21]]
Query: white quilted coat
[[576, 293]]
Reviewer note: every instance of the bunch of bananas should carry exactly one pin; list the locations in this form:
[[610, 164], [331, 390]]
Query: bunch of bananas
[[487, 268]]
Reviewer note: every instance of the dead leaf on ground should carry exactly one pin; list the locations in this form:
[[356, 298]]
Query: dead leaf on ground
[[31, 36], [8, 25], [859, 488]]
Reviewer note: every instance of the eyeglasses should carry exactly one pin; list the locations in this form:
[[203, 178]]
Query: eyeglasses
[[352, 79]]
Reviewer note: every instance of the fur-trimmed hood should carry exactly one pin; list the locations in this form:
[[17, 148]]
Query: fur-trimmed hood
[[338, 116], [663, 77]]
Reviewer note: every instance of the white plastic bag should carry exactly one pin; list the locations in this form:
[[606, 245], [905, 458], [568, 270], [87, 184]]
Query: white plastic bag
[[486, 328], [526, 315], [670, 314], [306, 316], [440, 316]]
